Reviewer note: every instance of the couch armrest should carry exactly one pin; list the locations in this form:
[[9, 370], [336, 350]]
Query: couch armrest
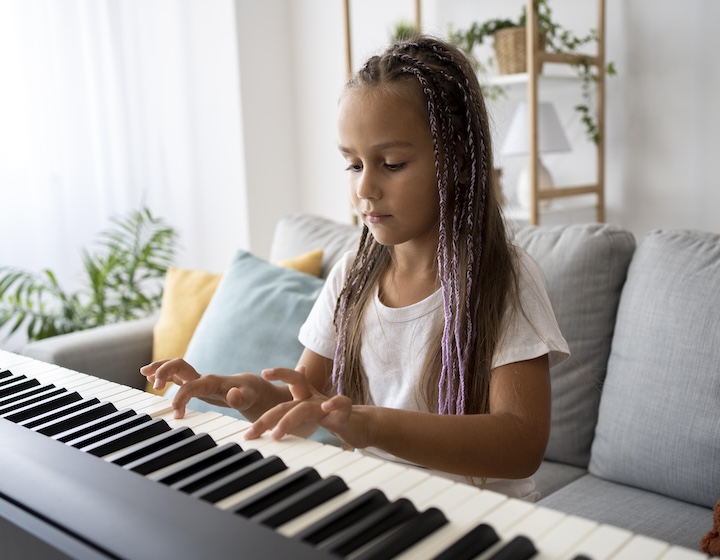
[[113, 352]]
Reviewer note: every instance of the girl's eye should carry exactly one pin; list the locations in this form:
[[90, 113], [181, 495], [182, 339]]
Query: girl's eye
[[354, 167], [394, 166]]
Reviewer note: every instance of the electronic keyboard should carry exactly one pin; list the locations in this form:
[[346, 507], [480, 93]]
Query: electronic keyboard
[[93, 469]]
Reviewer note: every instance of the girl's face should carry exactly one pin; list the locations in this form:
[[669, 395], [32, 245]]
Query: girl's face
[[384, 136]]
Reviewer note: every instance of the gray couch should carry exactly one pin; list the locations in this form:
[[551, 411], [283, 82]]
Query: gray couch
[[635, 437]]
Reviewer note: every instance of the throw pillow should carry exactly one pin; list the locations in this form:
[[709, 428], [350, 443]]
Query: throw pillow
[[309, 263], [186, 294], [252, 323]]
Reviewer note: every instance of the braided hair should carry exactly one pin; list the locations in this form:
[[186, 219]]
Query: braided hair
[[475, 263]]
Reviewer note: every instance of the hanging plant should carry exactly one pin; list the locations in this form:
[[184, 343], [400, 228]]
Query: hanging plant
[[122, 282], [556, 39]]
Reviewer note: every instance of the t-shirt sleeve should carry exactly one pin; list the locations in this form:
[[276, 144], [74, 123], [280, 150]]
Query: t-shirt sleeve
[[318, 333], [531, 330]]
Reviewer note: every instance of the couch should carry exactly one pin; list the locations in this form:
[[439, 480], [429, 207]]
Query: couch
[[635, 434]]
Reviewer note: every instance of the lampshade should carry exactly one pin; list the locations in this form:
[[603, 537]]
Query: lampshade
[[551, 137]]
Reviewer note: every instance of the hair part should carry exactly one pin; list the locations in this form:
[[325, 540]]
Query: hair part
[[475, 260]]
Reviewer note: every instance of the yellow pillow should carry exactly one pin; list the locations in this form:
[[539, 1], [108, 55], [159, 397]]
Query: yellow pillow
[[309, 263], [187, 293]]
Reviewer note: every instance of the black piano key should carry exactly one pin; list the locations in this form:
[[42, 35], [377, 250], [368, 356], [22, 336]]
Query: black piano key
[[17, 404], [301, 502], [58, 413], [218, 470], [5, 373], [26, 393], [581, 557], [75, 419], [385, 519], [276, 493], [244, 478], [17, 386], [12, 379], [93, 426], [199, 463], [519, 548], [406, 536], [115, 427], [471, 544], [343, 517], [174, 453], [129, 437], [42, 407], [151, 445]]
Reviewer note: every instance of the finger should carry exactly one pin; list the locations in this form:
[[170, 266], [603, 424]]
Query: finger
[[302, 420], [206, 385], [176, 370], [150, 369], [268, 420], [241, 398], [295, 379]]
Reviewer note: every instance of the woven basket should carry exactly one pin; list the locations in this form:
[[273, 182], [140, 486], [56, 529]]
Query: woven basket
[[511, 51]]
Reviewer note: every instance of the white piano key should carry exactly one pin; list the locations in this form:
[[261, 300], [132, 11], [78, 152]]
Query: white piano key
[[427, 489], [643, 547], [154, 408], [601, 544], [462, 519], [680, 553], [238, 497], [135, 398], [336, 462], [106, 392], [231, 429], [567, 534]]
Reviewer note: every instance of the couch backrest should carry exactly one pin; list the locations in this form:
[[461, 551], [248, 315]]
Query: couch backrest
[[659, 422], [297, 234], [585, 266]]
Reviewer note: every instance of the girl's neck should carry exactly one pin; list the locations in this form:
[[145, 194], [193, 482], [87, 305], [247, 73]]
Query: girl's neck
[[409, 278]]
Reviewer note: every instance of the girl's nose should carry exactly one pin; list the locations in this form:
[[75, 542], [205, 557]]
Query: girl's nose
[[367, 187]]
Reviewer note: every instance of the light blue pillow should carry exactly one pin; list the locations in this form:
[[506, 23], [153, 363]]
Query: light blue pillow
[[252, 323]]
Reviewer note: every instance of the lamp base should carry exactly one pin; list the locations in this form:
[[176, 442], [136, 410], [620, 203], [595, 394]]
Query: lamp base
[[545, 181]]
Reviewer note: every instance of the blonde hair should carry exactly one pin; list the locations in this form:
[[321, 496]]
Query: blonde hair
[[476, 264]]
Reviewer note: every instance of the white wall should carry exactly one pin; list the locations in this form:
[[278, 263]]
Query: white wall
[[663, 120]]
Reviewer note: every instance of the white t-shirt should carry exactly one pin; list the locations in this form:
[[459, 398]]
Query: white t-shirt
[[395, 342]]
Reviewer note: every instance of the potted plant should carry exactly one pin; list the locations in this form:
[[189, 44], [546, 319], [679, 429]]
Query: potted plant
[[123, 282], [509, 37]]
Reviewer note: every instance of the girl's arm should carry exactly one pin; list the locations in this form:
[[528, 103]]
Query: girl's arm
[[508, 442]]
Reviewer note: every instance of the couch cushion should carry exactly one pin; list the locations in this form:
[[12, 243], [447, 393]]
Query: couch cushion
[[300, 233], [585, 266], [659, 421]]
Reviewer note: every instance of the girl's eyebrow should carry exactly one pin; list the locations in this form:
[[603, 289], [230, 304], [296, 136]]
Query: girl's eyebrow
[[381, 146]]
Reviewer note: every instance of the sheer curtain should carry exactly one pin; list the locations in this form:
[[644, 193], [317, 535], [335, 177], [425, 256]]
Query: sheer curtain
[[107, 106]]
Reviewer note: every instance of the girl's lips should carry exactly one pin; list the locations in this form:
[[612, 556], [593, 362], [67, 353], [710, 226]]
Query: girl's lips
[[375, 218]]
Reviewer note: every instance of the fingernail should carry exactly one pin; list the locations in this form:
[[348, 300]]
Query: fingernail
[[276, 433], [158, 384]]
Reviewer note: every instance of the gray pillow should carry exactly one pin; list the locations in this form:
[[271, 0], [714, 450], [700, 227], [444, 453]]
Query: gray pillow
[[659, 422], [585, 266]]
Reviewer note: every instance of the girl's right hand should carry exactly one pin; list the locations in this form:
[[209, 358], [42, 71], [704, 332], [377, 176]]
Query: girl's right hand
[[242, 391]]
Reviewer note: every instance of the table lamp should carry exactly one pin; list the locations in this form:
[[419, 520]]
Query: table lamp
[[551, 138]]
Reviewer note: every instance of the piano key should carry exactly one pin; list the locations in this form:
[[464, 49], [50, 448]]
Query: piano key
[[40, 407], [342, 517], [31, 399], [12, 378], [76, 419], [479, 539], [58, 413], [557, 542], [233, 488], [404, 537], [462, 519], [37, 390], [370, 527], [319, 492], [643, 547], [184, 469], [84, 430], [111, 428], [207, 470], [5, 373], [128, 437], [189, 447], [17, 385], [518, 548], [147, 446], [679, 553], [271, 495]]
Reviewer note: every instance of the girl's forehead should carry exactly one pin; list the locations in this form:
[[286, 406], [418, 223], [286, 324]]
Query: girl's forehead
[[406, 94]]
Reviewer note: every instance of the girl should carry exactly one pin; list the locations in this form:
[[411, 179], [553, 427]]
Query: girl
[[431, 344]]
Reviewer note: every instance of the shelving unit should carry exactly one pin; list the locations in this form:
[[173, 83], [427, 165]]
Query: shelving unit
[[535, 58]]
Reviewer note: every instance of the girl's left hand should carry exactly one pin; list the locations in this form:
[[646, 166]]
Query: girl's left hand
[[310, 409]]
